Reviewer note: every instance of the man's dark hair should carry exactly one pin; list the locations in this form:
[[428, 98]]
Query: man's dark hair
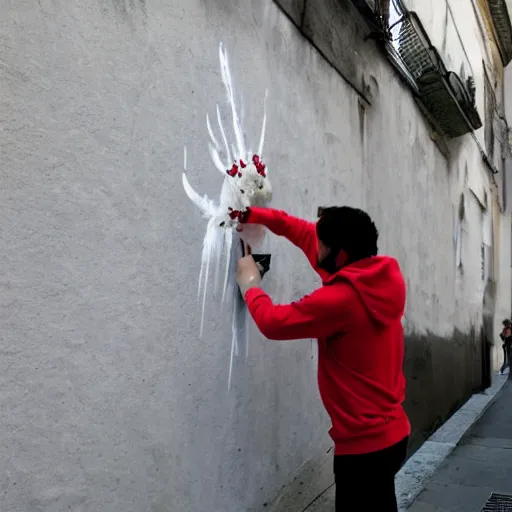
[[348, 229]]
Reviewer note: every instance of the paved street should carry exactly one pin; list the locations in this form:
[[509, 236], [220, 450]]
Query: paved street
[[479, 466]]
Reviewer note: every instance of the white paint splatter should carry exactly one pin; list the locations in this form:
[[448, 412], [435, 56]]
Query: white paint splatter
[[224, 138], [248, 186], [247, 332], [263, 127], [228, 84]]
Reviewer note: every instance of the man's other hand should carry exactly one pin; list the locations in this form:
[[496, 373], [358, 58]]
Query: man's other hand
[[247, 274]]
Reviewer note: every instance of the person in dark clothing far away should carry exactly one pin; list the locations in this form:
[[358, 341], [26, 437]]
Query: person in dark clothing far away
[[357, 318], [506, 337]]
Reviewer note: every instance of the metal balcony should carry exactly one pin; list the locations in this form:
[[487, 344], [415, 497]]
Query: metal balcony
[[448, 100], [501, 21]]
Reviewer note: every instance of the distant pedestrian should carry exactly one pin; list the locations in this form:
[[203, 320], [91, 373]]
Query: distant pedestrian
[[506, 337]]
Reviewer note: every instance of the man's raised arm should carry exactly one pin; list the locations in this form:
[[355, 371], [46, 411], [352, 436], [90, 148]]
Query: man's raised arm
[[300, 232], [318, 315]]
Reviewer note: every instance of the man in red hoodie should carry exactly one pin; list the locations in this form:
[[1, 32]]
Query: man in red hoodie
[[357, 318]]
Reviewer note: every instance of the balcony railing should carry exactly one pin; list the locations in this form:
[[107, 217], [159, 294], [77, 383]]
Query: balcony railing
[[501, 21], [448, 100]]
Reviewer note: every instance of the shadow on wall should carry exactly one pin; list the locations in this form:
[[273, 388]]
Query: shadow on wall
[[441, 373]]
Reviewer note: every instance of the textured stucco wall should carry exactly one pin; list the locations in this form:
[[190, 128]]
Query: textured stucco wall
[[110, 400], [461, 35]]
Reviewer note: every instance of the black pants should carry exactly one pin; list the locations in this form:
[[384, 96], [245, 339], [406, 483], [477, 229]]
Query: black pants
[[367, 482], [508, 351], [505, 364]]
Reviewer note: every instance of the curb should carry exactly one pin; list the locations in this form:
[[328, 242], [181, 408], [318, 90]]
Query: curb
[[416, 472]]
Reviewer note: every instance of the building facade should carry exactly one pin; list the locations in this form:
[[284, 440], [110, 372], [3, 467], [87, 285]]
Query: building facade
[[111, 400]]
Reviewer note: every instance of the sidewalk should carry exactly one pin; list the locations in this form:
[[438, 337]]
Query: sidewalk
[[481, 464]]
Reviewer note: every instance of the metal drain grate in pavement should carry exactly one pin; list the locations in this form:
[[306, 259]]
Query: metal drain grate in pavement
[[498, 503]]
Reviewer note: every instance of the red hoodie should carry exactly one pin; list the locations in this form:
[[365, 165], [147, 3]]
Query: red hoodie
[[356, 317]]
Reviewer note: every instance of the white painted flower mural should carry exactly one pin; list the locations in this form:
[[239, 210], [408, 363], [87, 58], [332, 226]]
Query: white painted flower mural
[[244, 183]]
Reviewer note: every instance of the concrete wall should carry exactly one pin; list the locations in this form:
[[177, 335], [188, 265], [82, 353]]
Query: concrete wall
[[461, 34], [110, 399]]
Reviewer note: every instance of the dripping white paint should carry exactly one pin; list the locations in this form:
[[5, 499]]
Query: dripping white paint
[[245, 183]]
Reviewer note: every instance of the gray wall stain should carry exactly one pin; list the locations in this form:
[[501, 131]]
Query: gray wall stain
[[428, 360], [445, 31], [361, 111], [126, 9], [294, 8]]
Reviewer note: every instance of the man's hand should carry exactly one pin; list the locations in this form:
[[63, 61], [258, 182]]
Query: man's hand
[[247, 274]]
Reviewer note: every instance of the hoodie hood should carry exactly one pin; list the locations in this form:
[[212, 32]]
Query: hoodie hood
[[380, 284]]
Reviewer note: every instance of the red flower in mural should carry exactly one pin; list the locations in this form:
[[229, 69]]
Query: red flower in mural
[[238, 215], [233, 171], [260, 166]]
